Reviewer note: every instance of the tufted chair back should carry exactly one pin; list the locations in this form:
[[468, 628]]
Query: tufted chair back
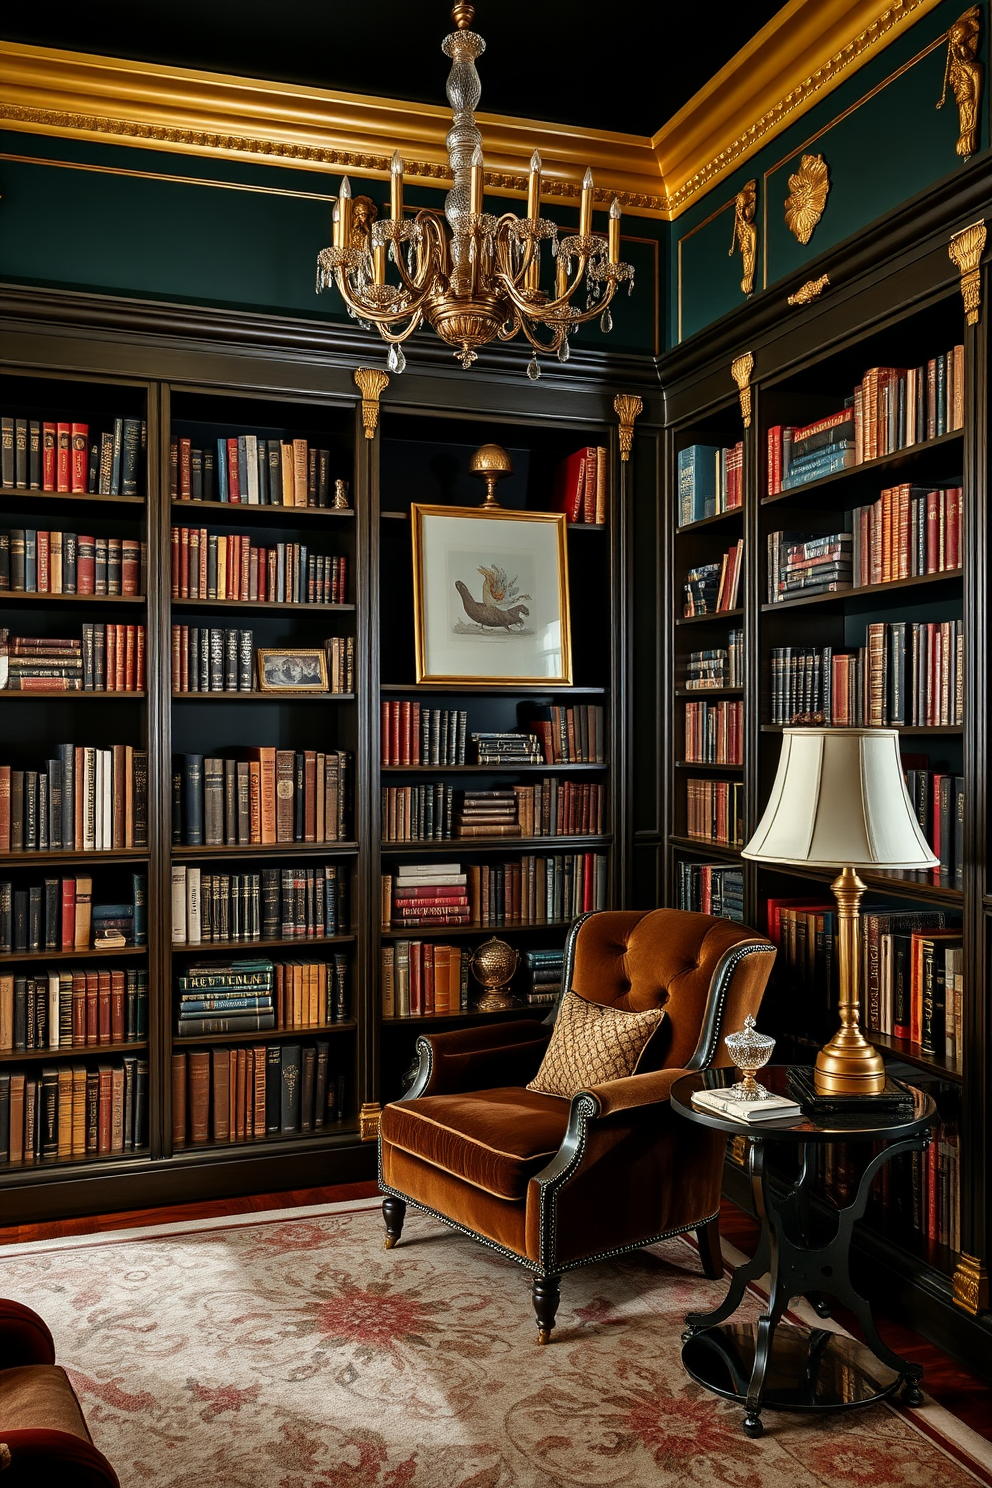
[[693, 965]]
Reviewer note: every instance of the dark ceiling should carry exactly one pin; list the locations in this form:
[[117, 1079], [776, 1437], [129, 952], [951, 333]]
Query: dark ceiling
[[580, 63]]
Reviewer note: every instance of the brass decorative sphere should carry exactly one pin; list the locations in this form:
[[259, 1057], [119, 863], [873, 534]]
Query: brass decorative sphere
[[490, 463], [493, 966]]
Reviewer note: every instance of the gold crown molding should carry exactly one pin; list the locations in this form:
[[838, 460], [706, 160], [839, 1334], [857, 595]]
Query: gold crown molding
[[803, 53]]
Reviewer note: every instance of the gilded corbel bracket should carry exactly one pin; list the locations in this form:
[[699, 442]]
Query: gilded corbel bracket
[[971, 1285], [811, 290], [965, 249], [808, 191], [740, 370], [627, 406], [368, 1121], [371, 381], [964, 74], [745, 233]]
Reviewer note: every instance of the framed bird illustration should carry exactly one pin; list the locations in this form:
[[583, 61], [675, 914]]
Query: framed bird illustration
[[490, 594]]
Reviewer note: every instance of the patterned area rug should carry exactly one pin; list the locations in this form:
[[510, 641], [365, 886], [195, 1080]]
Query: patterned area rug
[[289, 1350]]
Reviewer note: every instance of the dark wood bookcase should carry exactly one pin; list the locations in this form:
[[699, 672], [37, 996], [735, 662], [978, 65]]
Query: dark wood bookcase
[[894, 300], [201, 375]]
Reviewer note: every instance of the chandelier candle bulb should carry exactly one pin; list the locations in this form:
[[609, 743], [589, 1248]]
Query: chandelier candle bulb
[[585, 210], [613, 251], [395, 190], [344, 213], [534, 187], [335, 226], [379, 263], [478, 181]]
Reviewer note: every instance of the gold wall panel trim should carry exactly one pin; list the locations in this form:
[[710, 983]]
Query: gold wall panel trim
[[800, 56]]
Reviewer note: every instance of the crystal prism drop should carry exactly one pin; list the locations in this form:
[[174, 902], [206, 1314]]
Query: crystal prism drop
[[533, 370], [606, 321], [392, 359], [400, 362], [563, 352]]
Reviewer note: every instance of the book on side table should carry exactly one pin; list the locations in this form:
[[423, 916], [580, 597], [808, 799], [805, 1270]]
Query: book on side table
[[724, 1103]]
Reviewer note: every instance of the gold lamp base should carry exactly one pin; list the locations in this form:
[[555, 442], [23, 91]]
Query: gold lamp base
[[848, 1065]]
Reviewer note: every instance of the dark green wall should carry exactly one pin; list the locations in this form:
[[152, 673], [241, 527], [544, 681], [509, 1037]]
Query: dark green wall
[[884, 141]]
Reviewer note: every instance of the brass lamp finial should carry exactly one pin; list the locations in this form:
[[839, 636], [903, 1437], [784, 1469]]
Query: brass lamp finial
[[490, 463], [462, 15]]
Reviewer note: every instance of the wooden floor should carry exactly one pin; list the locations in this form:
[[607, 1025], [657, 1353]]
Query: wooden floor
[[961, 1393]]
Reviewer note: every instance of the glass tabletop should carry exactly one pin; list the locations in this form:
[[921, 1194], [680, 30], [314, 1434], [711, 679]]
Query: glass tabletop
[[864, 1126]]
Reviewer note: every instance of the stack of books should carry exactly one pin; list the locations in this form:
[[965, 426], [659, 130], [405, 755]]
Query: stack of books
[[71, 1111], [265, 796], [487, 813], [580, 486], [276, 904], [422, 980], [544, 972], [507, 749], [714, 733], [251, 471], [232, 997], [801, 565], [425, 894], [248, 1094], [84, 800], [702, 585], [108, 658], [713, 889], [123, 923], [710, 481], [63, 1009], [43, 455], [721, 666], [907, 532], [210, 565], [768, 1108], [37, 562]]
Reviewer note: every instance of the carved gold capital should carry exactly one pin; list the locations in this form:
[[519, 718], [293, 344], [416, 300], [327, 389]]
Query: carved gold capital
[[371, 382], [811, 290], [627, 406], [740, 370], [965, 249], [808, 190], [368, 1121], [971, 1285]]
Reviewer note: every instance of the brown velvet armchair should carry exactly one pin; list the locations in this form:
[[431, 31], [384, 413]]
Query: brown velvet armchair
[[555, 1184]]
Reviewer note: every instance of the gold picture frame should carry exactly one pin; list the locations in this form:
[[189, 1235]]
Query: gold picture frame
[[517, 632], [277, 672]]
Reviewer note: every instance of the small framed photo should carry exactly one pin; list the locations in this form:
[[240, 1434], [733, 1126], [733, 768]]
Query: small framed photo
[[490, 593], [296, 669]]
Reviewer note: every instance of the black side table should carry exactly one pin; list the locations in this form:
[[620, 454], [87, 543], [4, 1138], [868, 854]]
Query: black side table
[[818, 1370]]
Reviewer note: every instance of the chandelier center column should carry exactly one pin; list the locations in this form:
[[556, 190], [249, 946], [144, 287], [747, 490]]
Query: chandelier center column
[[463, 139]]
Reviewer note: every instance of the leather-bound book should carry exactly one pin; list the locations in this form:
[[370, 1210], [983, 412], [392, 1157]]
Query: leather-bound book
[[221, 1059], [290, 1087], [179, 1100], [198, 1077], [117, 1108]]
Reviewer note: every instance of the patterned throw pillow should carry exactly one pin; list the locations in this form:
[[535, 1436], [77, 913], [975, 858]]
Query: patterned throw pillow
[[591, 1043]]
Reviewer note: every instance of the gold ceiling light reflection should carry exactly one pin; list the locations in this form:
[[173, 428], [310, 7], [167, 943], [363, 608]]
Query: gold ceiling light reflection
[[477, 279]]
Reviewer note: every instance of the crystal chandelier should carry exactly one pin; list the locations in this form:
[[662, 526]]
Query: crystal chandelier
[[480, 280]]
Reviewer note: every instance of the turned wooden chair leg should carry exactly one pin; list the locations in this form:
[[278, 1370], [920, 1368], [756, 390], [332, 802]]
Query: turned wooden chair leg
[[393, 1215], [545, 1292], [710, 1254]]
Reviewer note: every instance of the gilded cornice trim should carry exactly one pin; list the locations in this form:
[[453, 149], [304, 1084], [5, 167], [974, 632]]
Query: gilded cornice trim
[[803, 53]]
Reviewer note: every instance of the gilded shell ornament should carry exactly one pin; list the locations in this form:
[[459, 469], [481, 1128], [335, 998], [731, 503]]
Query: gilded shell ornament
[[807, 197]]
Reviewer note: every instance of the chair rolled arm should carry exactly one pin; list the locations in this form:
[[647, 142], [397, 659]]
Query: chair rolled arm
[[24, 1336], [478, 1058], [54, 1459], [632, 1091]]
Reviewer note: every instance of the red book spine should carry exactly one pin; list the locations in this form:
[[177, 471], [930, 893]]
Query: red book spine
[[43, 551], [85, 565], [387, 757], [416, 988], [80, 438], [130, 660], [64, 460], [233, 484], [411, 904], [139, 660], [68, 914], [394, 733], [174, 561], [427, 953], [185, 470], [49, 446], [120, 656], [404, 733]]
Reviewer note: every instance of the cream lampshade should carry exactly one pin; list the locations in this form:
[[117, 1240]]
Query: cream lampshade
[[839, 800]]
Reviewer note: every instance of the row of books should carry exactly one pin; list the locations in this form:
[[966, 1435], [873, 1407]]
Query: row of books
[[715, 810], [421, 979], [580, 486], [548, 808], [69, 1112], [711, 480], [248, 1094], [906, 675], [908, 532], [531, 891], [276, 904], [711, 888], [61, 915], [543, 971], [265, 795], [212, 565], [84, 800], [711, 588], [801, 565], [73, 1008], [718, 666], [891, 409], [64, 455], [412, 734], [250, 995], [249, 470], [918, 1196], [36, 562], [938, 800], [106, 658], [223, 659], [714, 733], [569, 735]]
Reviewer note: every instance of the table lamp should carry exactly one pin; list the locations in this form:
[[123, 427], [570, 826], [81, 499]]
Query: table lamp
[[839, 800]]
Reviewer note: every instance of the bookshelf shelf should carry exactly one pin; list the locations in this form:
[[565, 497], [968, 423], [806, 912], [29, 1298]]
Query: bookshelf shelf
[[74, 1052], [17, 596], [712, 619], [840, 483], [18, 495], [263, 697], [950, 729], [942, 1065], [264, 1035], [9, 958], [706, 765], [559, 769], [235, 510], [526, 689], [261, 604], [264, 850], [39, 696], [402, 516], [454, 845], [224, 947], [708, 692], [703, 844], [874, 592], [51, 1169], [446, 932], [280, 1145], [419, 1020], [104, 855], [725, 520]]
